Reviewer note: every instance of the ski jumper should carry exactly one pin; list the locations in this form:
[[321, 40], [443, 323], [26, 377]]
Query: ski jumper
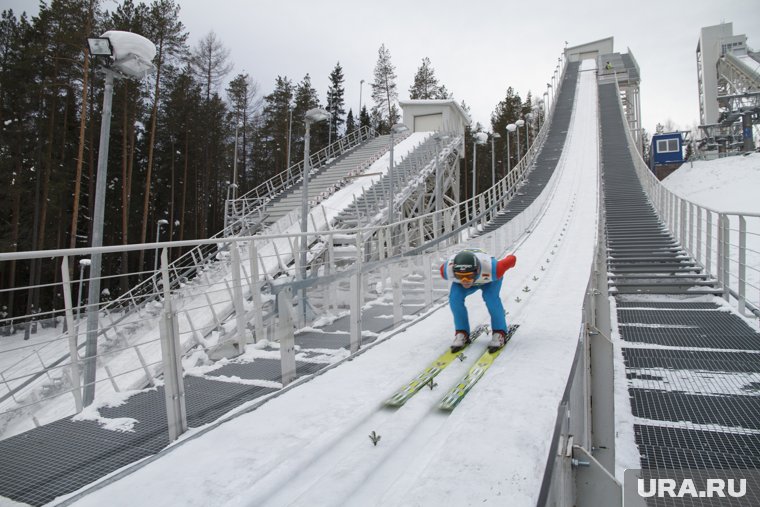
[[488, 281]]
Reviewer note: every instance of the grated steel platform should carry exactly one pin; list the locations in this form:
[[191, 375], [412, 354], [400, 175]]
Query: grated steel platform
[[692, 371]]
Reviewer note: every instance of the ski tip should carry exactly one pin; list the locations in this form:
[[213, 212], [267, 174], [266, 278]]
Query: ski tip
[[392, 404]]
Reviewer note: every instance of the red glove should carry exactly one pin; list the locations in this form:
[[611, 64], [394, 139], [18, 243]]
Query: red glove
[[504, 264]]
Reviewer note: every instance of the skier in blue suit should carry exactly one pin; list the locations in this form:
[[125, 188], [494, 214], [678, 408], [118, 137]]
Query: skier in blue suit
[[472, 270]]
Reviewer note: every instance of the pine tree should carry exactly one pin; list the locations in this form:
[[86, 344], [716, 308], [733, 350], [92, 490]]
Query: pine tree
[[170, 37], [364, 120], [181, 121], [241, 93], [426, 84], [277, 111], [17, 110], [507, 111], [335, 102], [306, 98], [350, 123], [385, 111], [209, 62]]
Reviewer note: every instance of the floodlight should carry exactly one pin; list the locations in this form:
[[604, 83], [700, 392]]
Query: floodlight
[[100, 46]]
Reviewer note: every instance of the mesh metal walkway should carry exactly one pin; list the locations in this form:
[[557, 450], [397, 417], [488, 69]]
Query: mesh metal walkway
[[693, 369], [547, 158]]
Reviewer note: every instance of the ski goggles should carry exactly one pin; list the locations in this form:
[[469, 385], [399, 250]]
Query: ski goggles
[[465, 277]]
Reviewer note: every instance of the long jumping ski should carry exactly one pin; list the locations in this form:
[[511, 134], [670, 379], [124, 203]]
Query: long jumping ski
[[413, 386], [458, 392]]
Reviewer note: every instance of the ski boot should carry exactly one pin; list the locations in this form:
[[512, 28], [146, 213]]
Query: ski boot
[[461, 340], [498, 340]]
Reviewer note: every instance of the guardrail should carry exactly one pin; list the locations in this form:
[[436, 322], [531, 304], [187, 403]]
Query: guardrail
[[725, 243], [253, 201]]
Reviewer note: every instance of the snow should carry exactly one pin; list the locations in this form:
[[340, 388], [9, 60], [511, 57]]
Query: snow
[[311, 445], [727, 184], [126, 43]]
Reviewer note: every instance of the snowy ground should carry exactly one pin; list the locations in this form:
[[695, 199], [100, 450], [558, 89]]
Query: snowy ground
[[725, 184], [311, 446]]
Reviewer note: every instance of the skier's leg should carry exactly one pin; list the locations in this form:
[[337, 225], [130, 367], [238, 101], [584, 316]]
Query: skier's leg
[[457, 293], [494, 305]]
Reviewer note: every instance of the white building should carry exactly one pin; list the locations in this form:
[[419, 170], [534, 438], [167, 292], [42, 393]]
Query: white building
[[434, 115], [714, 42]]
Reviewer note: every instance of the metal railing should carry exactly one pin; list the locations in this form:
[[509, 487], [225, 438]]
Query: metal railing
[[726, 244], [253, 201]]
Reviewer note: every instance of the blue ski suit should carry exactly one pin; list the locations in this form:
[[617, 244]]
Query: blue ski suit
[[488, 280]]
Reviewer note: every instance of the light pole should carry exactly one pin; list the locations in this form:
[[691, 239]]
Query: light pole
[[510, 128], [290, 132], [329, 122], [158, 232], [494, 137], [396, 129], [519, 124], [312, 116], [234, 164], [360, 102], [83, 264], [538, 110], [529, 118], [478, 138], [126, 55]]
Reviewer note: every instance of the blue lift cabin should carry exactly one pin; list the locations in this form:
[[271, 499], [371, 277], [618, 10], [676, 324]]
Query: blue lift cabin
[[667, 153]]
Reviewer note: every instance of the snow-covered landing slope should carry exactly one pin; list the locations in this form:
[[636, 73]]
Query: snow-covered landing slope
[[311, 446]]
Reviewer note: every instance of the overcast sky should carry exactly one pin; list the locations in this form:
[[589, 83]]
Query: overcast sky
[[477, 48]]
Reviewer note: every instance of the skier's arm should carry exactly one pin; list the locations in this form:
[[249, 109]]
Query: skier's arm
[[504, 264]]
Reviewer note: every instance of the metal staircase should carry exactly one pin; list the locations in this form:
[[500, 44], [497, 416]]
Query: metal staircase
[[548, 156]]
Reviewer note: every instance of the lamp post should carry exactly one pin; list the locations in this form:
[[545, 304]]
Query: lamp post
[[312, 116], [290, 132], [478, 138], [126, 55], [519, 124], [494, 137], [510, 128], [234, 163], [83, 264], [396, 129], [360, 102], [538, 109], [529, 118], [158, 233]]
